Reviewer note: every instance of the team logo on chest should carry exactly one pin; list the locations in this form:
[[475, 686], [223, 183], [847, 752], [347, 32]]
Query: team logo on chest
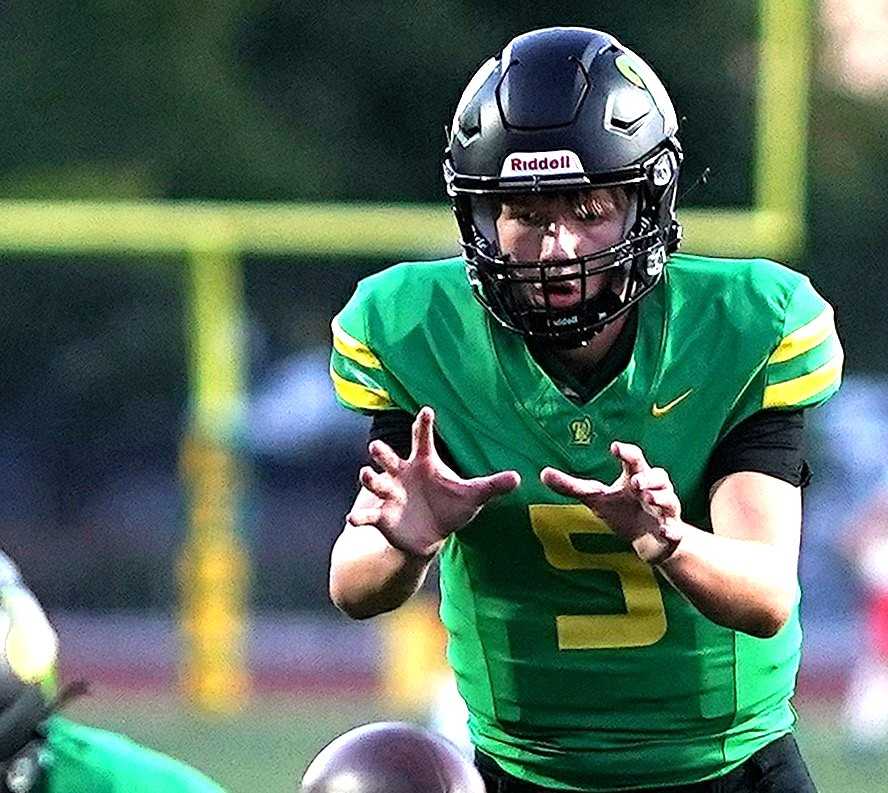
[[581, 431]]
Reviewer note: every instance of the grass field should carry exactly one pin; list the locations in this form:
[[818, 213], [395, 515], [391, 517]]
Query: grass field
[[266, 747]]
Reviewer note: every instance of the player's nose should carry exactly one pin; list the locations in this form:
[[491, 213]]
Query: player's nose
[[561, 241]]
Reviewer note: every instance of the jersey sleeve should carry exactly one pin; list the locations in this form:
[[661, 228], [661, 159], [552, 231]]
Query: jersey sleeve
[[805, 367], [360, 380]]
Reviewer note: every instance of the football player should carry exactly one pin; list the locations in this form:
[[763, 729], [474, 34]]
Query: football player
[[599, 438], [43, 752], [390, 757]]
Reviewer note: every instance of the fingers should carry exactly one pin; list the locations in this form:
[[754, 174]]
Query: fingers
[[651, 479], [571, 486], [423, 433], [630, 456], [385, 457], [662, 503], [654, 490], [498, 484], [387, 491], [381, 485], [364, 516]]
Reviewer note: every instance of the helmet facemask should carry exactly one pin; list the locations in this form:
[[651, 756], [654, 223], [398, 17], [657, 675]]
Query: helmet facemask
[[563, 300]]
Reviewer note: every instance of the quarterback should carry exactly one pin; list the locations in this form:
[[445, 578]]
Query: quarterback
[[599, 439]]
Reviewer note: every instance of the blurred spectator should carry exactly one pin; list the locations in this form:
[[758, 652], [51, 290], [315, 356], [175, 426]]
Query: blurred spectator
[[293, 414], [848, 435], [865, 539]]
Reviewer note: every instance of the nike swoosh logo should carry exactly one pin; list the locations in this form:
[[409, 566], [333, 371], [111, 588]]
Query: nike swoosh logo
[[657, 411]]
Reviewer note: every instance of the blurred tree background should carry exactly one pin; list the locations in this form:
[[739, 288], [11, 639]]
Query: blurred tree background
[[290, 101]]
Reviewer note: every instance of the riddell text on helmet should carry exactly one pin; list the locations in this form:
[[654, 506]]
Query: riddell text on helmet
[[549, 162]]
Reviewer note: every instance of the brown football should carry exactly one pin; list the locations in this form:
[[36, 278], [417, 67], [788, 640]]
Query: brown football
[[391, 757]]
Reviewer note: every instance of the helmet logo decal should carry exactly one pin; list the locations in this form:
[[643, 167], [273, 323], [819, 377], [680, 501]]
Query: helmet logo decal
[[663, 170], [641, 75], [655, 262], [627, 69], [524, 163]]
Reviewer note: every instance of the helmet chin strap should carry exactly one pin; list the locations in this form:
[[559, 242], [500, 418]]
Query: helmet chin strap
[[605, 303]]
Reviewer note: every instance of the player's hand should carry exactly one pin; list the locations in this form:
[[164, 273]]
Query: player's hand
[[641, 506], [420, 500]]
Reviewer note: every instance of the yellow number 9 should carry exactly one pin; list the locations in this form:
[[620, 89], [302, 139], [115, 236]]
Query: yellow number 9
[[644, 621]]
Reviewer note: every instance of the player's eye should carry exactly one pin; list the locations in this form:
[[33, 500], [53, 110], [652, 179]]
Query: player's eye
[[528, 217], [524, 216]]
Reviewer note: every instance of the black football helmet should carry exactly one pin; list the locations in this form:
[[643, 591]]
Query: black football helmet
[[391, 757], [564, 109]]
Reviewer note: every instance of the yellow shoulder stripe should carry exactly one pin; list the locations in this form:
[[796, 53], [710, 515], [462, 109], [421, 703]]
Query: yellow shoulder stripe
[[353, 349], [797, 390], [360, 396], [805, 338]]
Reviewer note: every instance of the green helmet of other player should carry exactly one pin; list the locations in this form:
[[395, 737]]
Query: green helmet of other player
[[28, 656]]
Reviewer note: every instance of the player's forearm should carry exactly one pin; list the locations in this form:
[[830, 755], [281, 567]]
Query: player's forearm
[[365, 583], [741, 584]]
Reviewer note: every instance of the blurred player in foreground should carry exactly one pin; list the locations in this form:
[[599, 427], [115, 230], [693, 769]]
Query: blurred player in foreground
[[390, 757], [599, 438], [42, 752]]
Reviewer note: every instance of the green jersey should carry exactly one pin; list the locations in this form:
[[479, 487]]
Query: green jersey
[[582, 667], [80, 759]]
